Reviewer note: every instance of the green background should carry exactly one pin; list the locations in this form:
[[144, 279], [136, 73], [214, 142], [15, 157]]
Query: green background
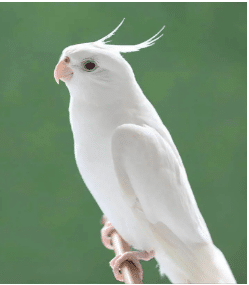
[[195, 76]]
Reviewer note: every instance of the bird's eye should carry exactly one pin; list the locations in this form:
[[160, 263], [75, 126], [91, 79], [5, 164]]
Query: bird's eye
[[67, 59], [89, 65]]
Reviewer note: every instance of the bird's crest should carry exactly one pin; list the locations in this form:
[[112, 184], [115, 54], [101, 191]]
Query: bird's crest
[[102, 43]]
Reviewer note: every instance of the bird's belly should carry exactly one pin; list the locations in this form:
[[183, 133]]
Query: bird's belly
[[97, 170]]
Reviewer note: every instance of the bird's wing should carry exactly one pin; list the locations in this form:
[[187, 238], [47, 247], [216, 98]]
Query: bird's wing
[[149, 171]]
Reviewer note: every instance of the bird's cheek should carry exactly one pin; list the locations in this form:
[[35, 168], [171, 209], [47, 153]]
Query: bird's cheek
[[62, 72]]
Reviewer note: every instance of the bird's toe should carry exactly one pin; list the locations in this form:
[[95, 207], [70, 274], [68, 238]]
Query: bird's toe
[[105, 235]]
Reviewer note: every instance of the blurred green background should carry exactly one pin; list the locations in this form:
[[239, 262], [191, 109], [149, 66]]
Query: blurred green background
[[195, 76]]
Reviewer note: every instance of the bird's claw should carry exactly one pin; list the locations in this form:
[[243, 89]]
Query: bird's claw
[[130, 256], [117, 261], [146, 255], [105, 235]]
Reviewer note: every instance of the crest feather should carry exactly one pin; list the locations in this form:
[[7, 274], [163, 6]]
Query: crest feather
[[110, 35], [128, 48]]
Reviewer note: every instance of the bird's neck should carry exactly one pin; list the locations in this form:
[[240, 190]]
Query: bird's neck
[[103, 108]]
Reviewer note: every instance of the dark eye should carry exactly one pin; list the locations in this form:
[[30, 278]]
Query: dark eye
[[67, 59], [89, 65]]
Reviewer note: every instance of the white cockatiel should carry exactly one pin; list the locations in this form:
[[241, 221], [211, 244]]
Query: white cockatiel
[[131, 165]]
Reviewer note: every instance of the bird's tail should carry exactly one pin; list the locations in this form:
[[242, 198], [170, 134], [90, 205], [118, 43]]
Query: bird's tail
[[203, 263]]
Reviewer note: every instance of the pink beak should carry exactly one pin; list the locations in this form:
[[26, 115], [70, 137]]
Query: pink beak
[[62, 72]]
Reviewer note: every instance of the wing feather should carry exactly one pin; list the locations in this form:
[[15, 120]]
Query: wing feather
[[149, 171]]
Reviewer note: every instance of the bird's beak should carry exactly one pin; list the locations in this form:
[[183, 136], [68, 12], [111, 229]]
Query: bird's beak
[[62, 72]]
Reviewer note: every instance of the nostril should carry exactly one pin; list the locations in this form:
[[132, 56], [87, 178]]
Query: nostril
[[67, 59]]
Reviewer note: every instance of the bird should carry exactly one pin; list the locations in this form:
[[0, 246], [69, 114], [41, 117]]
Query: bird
[[132, 167]]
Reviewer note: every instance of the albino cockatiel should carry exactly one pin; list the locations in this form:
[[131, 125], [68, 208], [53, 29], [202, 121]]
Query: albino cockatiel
[[131, 165]]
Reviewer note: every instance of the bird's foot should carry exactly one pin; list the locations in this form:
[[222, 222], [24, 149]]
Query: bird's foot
[[105, 235], [130, 256]]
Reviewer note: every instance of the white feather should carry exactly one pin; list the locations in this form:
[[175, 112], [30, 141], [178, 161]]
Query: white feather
[[111, 34], [127, 48], [132, 167]]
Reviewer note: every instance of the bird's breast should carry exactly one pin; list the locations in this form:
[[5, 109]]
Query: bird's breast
[[92, 133], [92, 146], [95, 164]]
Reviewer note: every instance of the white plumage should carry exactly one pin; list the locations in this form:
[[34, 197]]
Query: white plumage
[[131, 165]]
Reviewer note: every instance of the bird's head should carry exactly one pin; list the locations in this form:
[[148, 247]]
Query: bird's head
[[97, 66]]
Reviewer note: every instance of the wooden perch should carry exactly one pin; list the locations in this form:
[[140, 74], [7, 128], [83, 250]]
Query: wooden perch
[[128, 269]]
